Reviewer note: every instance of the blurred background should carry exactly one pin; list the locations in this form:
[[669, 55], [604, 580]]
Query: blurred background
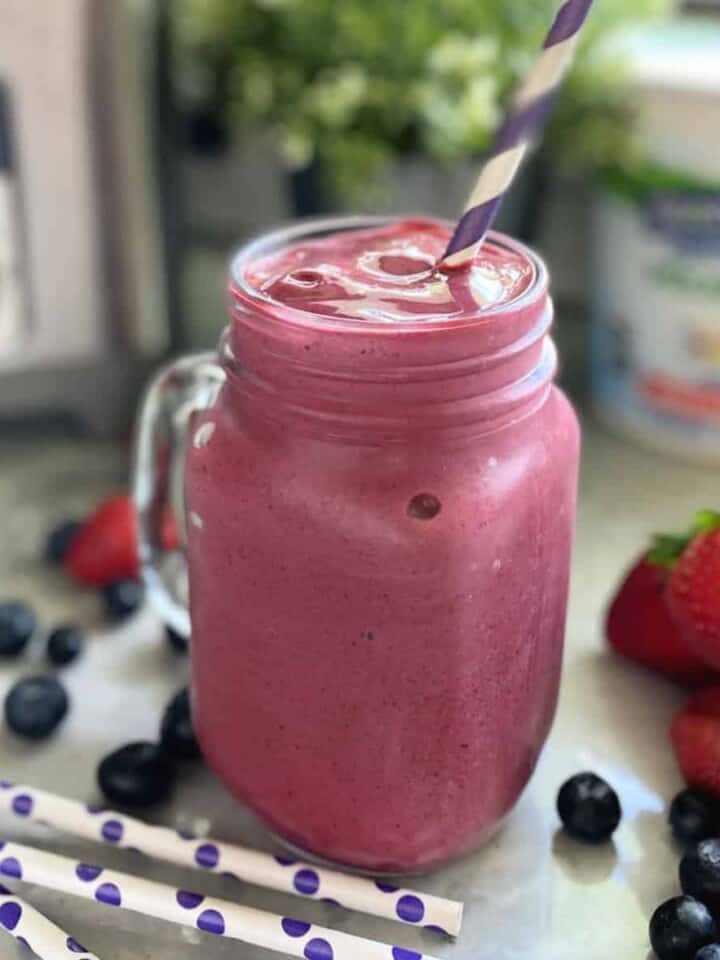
[[142, 140]]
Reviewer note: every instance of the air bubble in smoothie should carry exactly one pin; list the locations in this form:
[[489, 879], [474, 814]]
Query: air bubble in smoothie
[[424, 506]]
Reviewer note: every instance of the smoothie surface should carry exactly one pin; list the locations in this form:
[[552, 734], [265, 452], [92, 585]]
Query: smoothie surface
[[387, 274]]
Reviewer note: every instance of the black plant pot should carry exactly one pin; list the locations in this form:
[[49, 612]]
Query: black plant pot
[[309, 192]]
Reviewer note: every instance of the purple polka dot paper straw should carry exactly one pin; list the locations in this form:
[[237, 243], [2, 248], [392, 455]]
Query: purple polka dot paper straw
[[220, 918], [252, 866], [523, 125], [30, 927]]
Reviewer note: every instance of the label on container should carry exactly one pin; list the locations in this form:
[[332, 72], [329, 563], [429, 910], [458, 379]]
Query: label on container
[[656, 354]]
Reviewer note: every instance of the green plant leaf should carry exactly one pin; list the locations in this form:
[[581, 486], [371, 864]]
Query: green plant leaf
[[358, 82]]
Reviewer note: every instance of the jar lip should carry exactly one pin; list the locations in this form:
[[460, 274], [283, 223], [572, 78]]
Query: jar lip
[[312, 227]]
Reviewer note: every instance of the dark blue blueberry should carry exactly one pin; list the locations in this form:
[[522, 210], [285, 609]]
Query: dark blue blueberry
[[64, 645], [589, 808], [137, 775], [59, 539], [176, 640], [177, 734], [680, 927], [711, 952], [17, 625], [122, 598], [700, 873], [35, 706], [694, 816]]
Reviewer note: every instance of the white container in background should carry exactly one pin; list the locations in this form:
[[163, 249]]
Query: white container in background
[[656, 276], [13, 289], [82, 294]]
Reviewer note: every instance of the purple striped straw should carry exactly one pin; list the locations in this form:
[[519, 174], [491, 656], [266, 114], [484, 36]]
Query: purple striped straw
[[523, 125]]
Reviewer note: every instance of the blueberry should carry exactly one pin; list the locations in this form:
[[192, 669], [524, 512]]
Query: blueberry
[[589, 808], [35, 706], [694, 815], [123, 598], [177, 641], [680, 927], [17, 625], [137, 775], [59, 539], [700, 873], [711, 952], [64, 645], [177, 734]]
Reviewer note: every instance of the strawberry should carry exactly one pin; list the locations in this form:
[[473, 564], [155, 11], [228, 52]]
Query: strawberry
[[693, 592], [169, 534], [638, 626], [105, 547], [695, 734]]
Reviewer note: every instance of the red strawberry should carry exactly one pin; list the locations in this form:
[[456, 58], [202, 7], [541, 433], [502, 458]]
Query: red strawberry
[[694, 589], [638, 625], [695, 735], [169, 535], [105, 547]]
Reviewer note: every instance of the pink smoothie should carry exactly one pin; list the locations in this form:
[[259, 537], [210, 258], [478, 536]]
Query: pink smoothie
[[388, 275], [380, 510]]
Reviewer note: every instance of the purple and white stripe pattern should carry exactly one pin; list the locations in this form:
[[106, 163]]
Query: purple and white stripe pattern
[[253, 866], [221, 918], [36, 932], [523, 125]]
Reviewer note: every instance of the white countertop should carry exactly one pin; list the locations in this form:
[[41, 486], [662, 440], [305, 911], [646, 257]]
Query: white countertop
[[531, 894]]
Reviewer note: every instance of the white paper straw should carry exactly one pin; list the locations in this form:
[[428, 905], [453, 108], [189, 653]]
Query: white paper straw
[[31, 928], [278, 873], [522, 126], [220, 917]]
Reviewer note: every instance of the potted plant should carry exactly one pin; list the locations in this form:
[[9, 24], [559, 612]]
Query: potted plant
[[381, 105]]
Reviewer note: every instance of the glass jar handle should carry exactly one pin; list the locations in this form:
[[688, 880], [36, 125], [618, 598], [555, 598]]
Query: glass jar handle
[[173, 395]]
